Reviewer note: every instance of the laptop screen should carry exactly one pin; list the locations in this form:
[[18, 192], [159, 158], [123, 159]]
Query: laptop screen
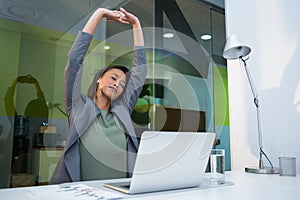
[[171, 160]]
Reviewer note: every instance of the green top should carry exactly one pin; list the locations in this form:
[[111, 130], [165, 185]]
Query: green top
[[103, 149]]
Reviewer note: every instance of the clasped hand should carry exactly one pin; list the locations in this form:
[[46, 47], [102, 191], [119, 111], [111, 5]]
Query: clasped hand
[[121, 16]]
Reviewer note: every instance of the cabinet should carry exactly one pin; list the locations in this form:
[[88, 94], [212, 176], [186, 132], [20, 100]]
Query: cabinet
[[44, 161], [174, 119]]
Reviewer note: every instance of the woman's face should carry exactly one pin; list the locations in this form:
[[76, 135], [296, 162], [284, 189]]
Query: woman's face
[[111, 84]]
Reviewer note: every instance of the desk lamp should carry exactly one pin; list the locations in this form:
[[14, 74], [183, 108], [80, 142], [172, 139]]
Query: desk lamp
[[234, 49]]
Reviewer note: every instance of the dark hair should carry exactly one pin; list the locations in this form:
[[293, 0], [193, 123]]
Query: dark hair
[[93, 87], [120, 67]]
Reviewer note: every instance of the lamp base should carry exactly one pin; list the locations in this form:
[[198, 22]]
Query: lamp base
[[265, 170]]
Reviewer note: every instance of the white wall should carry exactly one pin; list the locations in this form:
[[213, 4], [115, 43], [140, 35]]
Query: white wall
[[272, 29]]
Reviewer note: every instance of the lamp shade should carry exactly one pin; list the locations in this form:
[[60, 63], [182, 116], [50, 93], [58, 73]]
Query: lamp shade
[[234, 48]]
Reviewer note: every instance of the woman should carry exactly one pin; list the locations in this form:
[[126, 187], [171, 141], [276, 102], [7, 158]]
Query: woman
[[101, 142]]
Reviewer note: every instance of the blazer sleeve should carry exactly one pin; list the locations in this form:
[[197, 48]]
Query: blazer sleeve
[[74, 68], [137, 78]]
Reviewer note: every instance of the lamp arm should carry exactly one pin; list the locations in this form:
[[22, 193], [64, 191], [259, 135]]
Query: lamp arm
[[256, 102], [257, 105], [252, 86]]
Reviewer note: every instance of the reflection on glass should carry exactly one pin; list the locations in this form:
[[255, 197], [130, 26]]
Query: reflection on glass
[[177, 80]]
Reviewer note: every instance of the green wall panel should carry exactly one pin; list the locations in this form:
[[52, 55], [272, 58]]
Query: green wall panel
[[221, 96]]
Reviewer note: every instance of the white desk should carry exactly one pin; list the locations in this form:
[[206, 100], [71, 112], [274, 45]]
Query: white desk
[[245, 186]]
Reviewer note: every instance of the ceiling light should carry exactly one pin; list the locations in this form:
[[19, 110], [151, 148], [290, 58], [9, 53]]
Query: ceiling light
[[205, 37], [168, 35], [106, 47], [21, 11]]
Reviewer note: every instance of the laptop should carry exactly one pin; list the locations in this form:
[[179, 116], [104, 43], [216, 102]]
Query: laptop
[[167, 161]]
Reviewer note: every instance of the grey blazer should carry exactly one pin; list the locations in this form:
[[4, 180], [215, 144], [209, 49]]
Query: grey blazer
[[82, 110]]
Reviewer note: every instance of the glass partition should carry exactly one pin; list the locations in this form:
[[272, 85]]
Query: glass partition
[[178, 94]]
